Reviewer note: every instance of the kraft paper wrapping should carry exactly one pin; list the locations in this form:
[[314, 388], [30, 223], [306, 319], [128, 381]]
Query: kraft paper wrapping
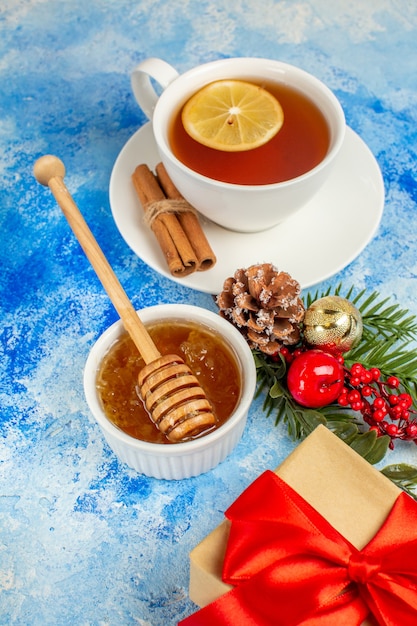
[[352, 495]]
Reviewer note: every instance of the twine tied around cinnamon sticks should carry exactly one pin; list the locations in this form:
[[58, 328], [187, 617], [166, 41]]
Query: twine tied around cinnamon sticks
[[173, 221], [154, 209]]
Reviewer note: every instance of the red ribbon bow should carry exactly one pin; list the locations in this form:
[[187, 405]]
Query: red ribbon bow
[[291, 567]]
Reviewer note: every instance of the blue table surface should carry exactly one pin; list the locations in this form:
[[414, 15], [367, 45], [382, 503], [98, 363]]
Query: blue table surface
[[83, 539]]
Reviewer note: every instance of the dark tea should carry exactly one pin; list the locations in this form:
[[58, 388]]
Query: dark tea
[[205, 352], [298, 147]]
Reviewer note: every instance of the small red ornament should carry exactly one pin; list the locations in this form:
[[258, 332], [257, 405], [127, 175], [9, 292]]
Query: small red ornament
[[315, 378]]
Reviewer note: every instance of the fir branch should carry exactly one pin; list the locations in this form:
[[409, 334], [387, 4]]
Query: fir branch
[[404, 476], [391, 321], [389, 356]]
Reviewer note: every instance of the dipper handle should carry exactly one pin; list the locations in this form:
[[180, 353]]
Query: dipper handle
[[50, 171]]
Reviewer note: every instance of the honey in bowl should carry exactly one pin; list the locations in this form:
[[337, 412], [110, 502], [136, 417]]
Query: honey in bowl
[[299, 146], [205, 352]]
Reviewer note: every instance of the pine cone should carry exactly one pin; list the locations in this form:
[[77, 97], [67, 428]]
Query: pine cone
[[264, 305]]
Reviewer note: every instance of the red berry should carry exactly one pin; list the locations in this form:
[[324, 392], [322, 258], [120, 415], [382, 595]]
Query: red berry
[[379, 403], [406, 398], [395, 412], [393, 381], [286, 354], [412, 430], [403, 404], [366, 377], [354, 396], [376, 373], [392, 429], [342, 400], [315, 379], [378, 415], [356, 369], [376, 429]]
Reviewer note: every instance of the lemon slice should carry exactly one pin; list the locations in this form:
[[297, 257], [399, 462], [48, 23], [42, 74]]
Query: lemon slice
[[232, 115]]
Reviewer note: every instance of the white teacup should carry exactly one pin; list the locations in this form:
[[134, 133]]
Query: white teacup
[[245, 208]]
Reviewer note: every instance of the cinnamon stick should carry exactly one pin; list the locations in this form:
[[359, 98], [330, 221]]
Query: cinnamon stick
[[178, 252], [189, 222]]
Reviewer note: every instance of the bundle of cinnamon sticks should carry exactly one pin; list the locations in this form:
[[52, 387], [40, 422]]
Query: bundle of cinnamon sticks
[[173, 221]]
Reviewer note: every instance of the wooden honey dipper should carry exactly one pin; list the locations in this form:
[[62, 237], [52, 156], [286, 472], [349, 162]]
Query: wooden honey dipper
[[171, 393]]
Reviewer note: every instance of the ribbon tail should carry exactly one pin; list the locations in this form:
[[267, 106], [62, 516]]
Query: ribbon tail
[[229, 611], [259, 602], [392, 604]]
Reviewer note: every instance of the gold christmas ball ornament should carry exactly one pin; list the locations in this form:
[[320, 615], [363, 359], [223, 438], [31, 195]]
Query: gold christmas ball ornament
[[332, 323]]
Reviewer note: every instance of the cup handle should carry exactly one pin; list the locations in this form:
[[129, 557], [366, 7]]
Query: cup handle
[[143, 90]]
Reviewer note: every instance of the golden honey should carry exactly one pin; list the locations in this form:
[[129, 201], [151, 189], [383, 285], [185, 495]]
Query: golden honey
[[210, 359]]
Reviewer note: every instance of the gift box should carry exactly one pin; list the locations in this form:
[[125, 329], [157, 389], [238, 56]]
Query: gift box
[[350, 495]]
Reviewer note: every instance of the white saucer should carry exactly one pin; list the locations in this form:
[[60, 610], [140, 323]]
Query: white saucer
[[317, 242]]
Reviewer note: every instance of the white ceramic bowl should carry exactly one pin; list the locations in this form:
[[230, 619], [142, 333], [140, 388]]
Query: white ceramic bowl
[[190, 458]]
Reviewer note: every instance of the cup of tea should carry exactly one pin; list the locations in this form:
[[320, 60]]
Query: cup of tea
[[253, 189]]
